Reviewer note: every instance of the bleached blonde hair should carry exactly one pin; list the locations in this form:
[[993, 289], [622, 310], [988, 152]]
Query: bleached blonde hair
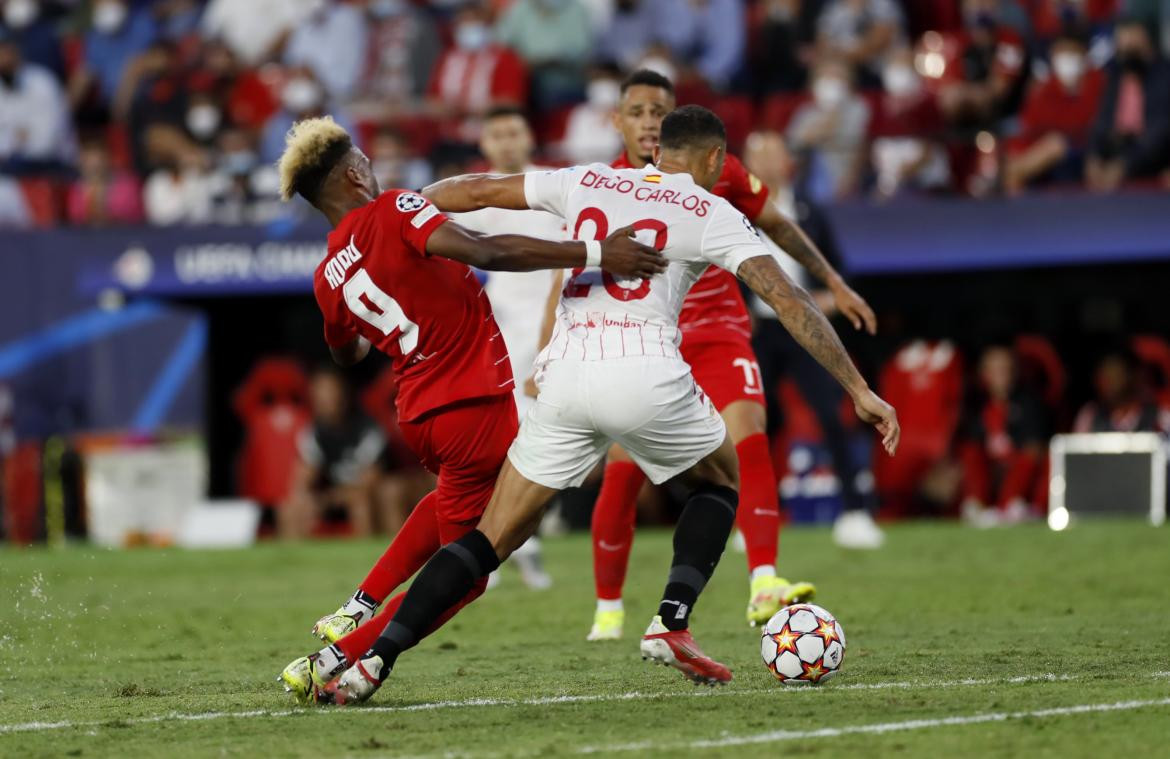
[[311, 149]]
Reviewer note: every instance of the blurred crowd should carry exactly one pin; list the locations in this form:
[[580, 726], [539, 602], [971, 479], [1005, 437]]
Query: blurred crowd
[[172, 111]]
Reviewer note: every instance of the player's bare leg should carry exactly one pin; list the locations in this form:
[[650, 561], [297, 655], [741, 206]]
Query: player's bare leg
[[699, 539], [758, 517], [511, 517]]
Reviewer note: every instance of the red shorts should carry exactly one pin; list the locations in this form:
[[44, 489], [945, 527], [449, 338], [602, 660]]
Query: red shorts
[[465, 444], [725, 368]]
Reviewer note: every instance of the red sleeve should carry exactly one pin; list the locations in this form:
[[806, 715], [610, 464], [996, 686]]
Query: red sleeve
[[743, 189], [411, 216], [339, 326]]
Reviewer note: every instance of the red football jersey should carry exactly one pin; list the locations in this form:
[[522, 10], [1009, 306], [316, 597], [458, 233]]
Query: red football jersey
[[427, 313], [714, 308]]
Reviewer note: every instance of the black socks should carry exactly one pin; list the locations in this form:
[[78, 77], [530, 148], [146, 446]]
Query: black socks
[[699, 540], [447, 577]]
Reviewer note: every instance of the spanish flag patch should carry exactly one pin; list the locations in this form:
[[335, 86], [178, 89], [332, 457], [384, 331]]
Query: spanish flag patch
[[655, 178]]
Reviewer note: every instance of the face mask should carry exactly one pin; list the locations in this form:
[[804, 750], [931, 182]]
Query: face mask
[[829, 92], [472, 36], [238, 162], [900, 80], [1068, 68], [108, 17], [203, 120], [20, 13], [300, 96], [603, 93], [387, 8]]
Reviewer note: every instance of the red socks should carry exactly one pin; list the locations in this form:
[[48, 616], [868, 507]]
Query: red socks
[[758, 516], [613, 527], [414, 544]]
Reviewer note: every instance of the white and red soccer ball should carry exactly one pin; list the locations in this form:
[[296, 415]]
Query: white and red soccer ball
[[803, 644]]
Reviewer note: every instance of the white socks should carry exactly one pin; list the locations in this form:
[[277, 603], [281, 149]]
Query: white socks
[[764, 570], [608, 605]]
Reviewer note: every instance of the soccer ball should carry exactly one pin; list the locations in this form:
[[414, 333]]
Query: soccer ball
[[803, 644]]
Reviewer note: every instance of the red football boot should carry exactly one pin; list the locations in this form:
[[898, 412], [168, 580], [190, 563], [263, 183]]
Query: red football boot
[[676, 648]]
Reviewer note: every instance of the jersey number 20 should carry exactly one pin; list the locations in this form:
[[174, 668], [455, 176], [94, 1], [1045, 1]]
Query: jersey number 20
[[372, 304], [575, 288]]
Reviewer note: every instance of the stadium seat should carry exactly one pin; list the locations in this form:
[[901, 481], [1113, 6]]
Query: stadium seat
[[739, 117], [44, 199], [22, 512], [778, 109], [272, 406]]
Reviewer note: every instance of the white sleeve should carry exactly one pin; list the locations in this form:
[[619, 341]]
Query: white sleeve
[[730, 239], [549, 190]]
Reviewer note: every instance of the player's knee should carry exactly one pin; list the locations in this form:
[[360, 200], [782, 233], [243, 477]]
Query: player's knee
[[744, 419]]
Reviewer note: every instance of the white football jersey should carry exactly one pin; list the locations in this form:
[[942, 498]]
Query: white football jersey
[[517, 297], [601, 316]]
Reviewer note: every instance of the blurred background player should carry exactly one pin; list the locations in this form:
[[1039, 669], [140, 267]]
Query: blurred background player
[[338, 468], [767, 157], [716, 331], [517, 298]]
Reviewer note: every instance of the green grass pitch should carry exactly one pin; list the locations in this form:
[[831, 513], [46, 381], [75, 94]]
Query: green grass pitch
[[1006, 643]]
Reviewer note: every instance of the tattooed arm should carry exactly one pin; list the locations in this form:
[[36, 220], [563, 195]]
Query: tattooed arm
[[793, 241], [806, 323]]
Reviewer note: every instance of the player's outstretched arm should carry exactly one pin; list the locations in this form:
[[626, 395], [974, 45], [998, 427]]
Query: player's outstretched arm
[[471, 192], [801, 317], [793, 241], [618, 254]]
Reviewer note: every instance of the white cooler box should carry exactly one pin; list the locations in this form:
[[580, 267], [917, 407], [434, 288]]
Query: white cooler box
[[1107, 474]]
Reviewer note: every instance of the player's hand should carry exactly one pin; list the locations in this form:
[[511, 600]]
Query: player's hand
[[854, 307], [621, 254], [873, 410]]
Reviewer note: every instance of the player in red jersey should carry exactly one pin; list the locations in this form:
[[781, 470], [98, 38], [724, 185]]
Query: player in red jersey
[[396, 276], [717, 344]]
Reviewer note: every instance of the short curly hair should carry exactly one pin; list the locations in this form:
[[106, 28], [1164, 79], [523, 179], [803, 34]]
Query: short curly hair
[[312, 148]]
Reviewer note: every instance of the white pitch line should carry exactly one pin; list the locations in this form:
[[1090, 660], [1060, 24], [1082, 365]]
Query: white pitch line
[[539, 701], [877, 729]]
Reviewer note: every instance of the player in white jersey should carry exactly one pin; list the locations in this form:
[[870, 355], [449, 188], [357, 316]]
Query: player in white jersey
[[612, 374], [517, 297]]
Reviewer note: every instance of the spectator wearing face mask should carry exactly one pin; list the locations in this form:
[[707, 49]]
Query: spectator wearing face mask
[[1057, 117], [117, 34], [32, 27], [178, 192], [404, 48], [301, 97], [706, 37], [474, 75], [985, 82], [830, 132], [35, 130], [905, 147], [862, 33], [243, 190], [552, 38], [394, 162], [1131, 136], [784, 44], [102, 195], [332, 43], [589, 134]]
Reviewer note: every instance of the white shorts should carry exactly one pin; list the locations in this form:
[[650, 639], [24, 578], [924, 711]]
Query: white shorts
[[651, 407]]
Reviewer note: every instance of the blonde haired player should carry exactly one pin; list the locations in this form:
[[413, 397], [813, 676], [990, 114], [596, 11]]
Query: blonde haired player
[[396, 276]]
